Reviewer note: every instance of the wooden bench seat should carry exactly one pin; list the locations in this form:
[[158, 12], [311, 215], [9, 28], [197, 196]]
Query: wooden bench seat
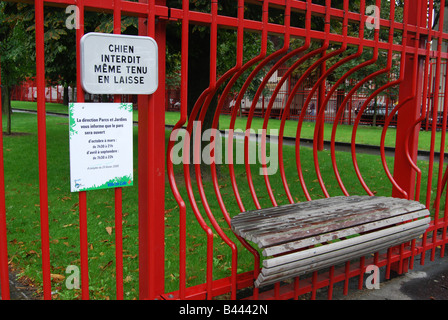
[[309, 236]]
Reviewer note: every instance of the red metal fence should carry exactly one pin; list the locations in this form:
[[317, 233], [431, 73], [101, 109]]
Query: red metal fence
[[54, 93], [27, 91], [313, 43]]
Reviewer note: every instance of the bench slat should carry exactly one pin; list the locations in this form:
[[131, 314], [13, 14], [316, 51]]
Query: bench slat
[[346, 244], [306, 242], [301, 209], [293, 234], [284, 231], [297, 215], [352, 253], [304, 211]]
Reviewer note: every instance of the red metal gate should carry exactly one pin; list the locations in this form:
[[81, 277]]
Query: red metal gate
[[330, 42]]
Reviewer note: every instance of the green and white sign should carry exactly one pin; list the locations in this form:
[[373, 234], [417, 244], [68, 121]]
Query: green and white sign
[[101, 148]]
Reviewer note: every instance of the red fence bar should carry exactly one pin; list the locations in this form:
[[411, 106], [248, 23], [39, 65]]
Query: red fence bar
[[427, 101], [119, 243], [410, 111], [436, 111], [212, 88], [170, 171], [42, 150], [151, 115], [26, 91], [83, 236], [196, 155], [178, 125], [425, 106], [4, 278], [118, 191]]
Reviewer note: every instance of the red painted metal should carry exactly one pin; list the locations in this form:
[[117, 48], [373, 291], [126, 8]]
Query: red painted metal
[[26, 91], [118, 191], [443, 134], [411, 161], [41, 122], [151, 168], [205, 99], [410, 113], [4, 272], [83, 236], [213, 52]]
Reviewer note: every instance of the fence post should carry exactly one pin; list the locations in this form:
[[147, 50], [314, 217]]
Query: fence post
[[321, 97], [151, 171], [404, 174], [4, 271]]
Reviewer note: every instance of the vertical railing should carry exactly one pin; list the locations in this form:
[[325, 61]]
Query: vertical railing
[[151, 177], [82, 196], [42, 148], [4, 272], [409, 113], [118, 191], [438, 222], [170, 169]]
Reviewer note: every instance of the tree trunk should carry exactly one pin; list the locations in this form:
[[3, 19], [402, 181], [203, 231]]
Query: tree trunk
[[6, 107], [65, 96], [198, 81], [375, 110]]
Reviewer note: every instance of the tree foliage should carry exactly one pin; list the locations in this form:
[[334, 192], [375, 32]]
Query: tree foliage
[[16, 53], [199, 49], [16, 49]]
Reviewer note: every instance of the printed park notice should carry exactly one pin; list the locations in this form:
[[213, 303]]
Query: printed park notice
[[101, 145]]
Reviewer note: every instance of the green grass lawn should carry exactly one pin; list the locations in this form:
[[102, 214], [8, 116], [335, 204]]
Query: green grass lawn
[[23, 214], [22, 203], [50, 107], [365, 135]]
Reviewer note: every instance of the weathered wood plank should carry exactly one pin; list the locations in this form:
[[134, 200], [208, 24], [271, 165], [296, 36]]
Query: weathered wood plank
[[338, 234], [266, 238], [297, 214], [308, 208], [347, 244], [300, 209], [309, 266], [269, 239], [270, 211], [298, 218], [313, 225]]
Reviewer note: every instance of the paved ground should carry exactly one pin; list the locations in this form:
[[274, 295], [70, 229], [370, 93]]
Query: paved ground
[[427, 282], [20, 290]]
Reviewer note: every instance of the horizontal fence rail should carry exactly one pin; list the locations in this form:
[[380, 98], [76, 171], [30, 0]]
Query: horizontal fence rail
[[257, 88]]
